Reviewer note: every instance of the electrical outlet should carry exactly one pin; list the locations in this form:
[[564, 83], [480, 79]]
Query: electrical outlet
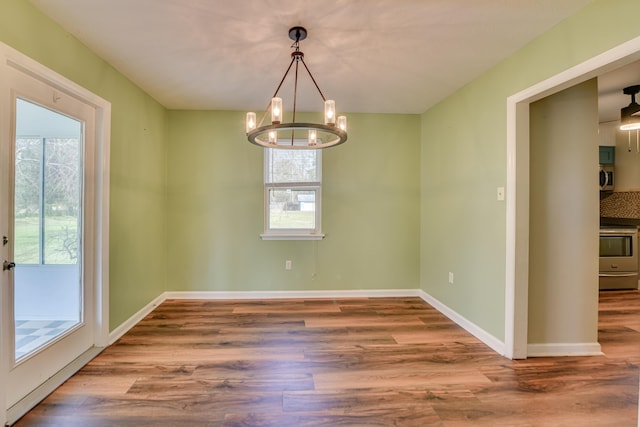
[[287, 264], [450, 278]]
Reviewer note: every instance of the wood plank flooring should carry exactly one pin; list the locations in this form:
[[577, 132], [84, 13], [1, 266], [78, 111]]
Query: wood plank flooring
[[347, 362]]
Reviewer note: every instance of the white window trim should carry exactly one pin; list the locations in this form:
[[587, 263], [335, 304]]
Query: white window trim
[[293, 234]]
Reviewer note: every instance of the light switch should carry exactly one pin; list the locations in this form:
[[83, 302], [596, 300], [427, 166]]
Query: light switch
[[500, 193]]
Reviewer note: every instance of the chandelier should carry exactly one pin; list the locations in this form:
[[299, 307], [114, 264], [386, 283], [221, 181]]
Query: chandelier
[[295, 135]]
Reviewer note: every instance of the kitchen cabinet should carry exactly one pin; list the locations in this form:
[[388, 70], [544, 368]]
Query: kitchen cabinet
[[607, 155]]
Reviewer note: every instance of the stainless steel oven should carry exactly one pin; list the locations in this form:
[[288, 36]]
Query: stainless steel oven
[[618, 258]]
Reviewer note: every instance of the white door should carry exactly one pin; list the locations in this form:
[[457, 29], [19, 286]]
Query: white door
[[48, 240]]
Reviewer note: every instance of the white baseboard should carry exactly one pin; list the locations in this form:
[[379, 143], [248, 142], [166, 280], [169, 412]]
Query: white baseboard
[[472, 328], [133, 320], [225, 295], [533, 350], [484, 336], [563, 349]]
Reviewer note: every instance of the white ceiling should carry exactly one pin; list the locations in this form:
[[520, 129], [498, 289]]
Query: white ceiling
[[385, 56], [610, 96]]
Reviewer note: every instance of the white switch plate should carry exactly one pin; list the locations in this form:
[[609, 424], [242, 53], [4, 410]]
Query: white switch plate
[[287, 264], [451, 278], [500, 193]]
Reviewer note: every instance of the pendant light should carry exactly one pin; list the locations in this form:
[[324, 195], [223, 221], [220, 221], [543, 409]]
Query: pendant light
[[630, 115], [288, 135]]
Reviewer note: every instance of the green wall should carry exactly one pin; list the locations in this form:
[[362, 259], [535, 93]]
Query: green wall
[[370, 209], [187, 195], [138, 155], [407, 200], [464, 161]]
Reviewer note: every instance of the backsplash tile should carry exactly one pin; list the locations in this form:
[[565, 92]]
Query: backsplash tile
[[623, 204]]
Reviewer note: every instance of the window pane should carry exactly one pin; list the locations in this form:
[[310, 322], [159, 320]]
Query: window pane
[[61, 200], [28, 188], [292, 209], [47, 185], [292, 166]]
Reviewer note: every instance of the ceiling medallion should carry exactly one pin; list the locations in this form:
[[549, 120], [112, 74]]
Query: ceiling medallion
[[289, 135]]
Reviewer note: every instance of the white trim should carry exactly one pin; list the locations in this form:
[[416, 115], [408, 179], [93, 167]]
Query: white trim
[[484, 336], [242, 295], [564, 349], [494, 343], [132, 321], [118, 332], [292, 236], [316, 186], [15, 412], [517, 220]]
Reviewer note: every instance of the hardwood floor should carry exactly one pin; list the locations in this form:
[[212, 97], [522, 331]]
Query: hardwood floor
[[348, 362]]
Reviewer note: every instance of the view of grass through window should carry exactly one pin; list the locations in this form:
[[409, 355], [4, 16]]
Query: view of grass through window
[[292, 180], [292, 209], [47, 200]]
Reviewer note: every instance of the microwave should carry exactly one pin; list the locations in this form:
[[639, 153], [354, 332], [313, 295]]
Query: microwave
[[606, 177]]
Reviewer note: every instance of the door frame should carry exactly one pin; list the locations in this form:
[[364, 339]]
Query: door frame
[[518, 166], [13, 59]]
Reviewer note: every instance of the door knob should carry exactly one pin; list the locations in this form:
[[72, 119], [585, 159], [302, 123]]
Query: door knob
[[8, 265]]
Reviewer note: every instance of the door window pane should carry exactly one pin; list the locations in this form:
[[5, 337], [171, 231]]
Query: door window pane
[[47, 186], [28, 204], [47, 227], [61, 200]]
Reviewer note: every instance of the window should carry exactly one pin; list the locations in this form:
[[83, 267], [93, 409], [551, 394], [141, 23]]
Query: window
[[292, 194], [48, 186]]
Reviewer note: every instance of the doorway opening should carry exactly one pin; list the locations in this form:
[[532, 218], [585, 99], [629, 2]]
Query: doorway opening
[[518, 172]]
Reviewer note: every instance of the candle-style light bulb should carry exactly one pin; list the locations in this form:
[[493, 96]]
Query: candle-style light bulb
[[342, 123], [276, 110], [251, 122], [273, 137], [329, 112], [313, 137]]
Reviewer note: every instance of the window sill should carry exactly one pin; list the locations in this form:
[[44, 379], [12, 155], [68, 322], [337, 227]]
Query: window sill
[[291, 236]]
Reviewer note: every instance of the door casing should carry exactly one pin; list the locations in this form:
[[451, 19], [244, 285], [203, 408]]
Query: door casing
[[10, 61], [518, 172]]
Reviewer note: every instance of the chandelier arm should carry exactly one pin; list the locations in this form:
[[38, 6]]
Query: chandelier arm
[[276, 92], [284, 77], [264, 115], [295, 100], [313, 80]]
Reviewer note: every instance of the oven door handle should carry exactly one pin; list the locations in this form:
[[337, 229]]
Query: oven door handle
[[617, 275], [618, 232]]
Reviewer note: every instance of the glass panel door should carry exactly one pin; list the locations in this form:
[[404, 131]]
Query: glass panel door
[[54, 221], [47, 227]]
